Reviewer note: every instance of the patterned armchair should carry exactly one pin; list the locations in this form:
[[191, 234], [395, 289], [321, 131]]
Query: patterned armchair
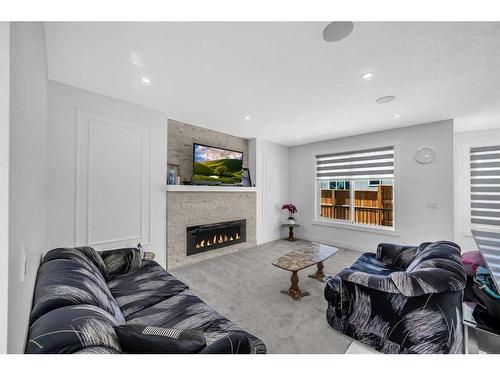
[[403, 299]]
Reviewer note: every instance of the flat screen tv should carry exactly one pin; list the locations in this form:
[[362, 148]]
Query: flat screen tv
[[213, 165]]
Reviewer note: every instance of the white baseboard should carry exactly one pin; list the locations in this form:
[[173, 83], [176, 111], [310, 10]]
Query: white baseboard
[[343, 245]]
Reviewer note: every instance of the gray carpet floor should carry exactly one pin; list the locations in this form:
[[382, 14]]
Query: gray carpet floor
[[245, 287]]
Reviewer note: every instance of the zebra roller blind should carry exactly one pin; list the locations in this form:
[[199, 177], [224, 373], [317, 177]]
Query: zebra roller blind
[[488, 244], [365, 164], [485, 185]]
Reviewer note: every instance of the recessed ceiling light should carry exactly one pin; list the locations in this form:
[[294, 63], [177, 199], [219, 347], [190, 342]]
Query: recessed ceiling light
[[297, 136], [367, 75], [337, 31], [247, 117], [146, 80], [396, 116], [385, 99], [136, 59]]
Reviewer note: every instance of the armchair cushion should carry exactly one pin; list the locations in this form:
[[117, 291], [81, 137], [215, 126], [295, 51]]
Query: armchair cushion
[[369, 263], [377, 282], [398, 256], [436, 268]]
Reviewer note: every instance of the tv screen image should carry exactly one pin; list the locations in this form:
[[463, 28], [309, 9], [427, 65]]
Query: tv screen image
[[216, 165]]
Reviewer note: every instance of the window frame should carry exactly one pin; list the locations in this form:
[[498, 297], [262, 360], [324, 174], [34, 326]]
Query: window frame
[[317, 219]]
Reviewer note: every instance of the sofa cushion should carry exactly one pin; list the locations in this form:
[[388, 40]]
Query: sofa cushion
[[96, 259], [187, 311], [233, 343], [121, 261], [74, 255], [142, 339], [144, 287], [71, 329], [64, 282], [97, 350]]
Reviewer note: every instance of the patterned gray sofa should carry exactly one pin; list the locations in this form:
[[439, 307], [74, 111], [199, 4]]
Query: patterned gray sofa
[[81, 295], [404, 299]]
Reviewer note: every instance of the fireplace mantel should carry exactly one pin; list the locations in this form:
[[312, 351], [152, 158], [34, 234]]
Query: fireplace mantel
[[210, 188]]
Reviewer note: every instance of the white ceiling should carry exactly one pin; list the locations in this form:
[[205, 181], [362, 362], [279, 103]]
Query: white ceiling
[[285, 76]]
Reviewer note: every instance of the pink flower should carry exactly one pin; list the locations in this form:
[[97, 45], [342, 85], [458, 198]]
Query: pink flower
[[290, 207]]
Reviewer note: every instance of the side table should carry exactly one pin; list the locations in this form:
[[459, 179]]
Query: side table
[[290, 230]]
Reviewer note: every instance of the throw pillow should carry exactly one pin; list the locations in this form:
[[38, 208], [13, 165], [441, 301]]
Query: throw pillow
[[142, 339]]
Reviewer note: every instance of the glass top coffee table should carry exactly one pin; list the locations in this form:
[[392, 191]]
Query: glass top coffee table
[[294, 261]]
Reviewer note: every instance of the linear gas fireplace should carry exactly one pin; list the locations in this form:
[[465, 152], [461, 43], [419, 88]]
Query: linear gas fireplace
[[201, 238]]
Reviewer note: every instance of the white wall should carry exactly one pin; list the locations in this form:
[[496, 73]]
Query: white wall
[[28, 172], [125, 168], [4, 180], [416, 185], [269, 171], [463, 142]]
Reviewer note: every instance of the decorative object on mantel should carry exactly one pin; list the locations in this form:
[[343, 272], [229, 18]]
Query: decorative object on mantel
[[425, 155], [173, 174], [292, 210], [245, 178]]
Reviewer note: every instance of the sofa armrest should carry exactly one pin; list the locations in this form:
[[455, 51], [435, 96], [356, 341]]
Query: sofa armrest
[[398, 256], [377, 282], [120, 261]]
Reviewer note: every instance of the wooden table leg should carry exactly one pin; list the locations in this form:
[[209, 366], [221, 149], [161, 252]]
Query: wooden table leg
[[319, 275], [290, 234], [294, 290]]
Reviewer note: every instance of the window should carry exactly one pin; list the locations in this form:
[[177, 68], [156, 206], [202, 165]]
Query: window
[[485, 186], [357, 187]]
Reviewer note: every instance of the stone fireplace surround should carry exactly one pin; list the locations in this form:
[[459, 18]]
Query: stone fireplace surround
[[197, 205], [187, 208]]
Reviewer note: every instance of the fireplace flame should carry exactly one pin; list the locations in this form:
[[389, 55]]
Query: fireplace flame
[[217, 239]]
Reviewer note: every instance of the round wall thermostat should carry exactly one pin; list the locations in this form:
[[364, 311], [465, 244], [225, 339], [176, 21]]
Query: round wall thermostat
[[425, 155]]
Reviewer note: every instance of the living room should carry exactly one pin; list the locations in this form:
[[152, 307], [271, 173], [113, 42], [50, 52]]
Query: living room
[[324, 187]]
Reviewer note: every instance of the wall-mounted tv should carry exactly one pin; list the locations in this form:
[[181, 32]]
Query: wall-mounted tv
[[213, 165]]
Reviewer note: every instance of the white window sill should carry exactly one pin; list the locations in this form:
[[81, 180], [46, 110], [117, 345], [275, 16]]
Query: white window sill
[[357, 227]]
